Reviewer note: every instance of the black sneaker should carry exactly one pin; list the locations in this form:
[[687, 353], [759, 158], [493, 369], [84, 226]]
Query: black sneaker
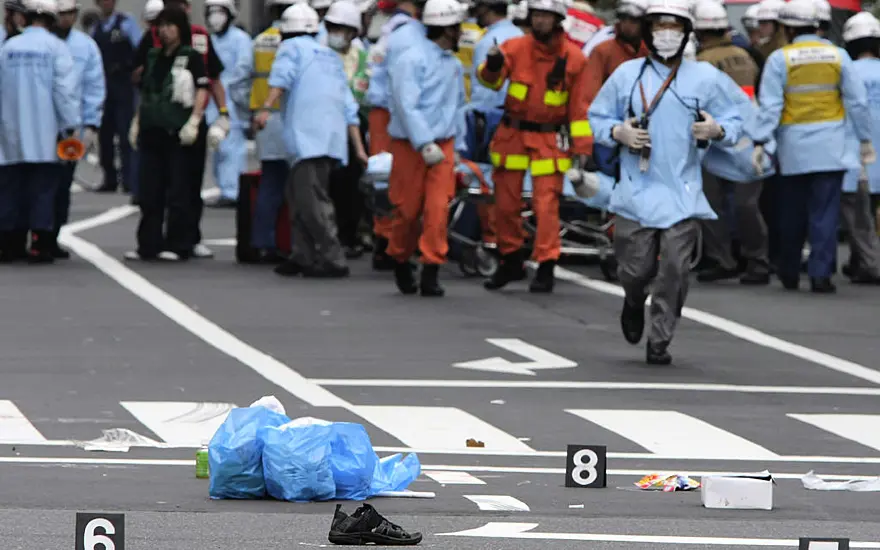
[[632, 322], [367, 526]]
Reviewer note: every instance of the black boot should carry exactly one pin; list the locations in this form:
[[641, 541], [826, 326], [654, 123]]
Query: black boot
[[381, 260], [14, 246], [822, 285], [41, 248], [632, 322], [657, 354], [543, 281], [430, 286], [510, 269], [404, 278]]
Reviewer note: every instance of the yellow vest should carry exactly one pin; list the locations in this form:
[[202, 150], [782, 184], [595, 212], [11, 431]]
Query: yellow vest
[[812, 90], [265, 47], [470, 35]]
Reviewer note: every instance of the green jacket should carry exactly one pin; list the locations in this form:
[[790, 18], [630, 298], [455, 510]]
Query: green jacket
[[157, 110]]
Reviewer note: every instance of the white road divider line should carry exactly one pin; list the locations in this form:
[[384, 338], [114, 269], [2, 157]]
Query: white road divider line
[[861, 428], [504, 530], [15, 427], [498, 503], [453, 478], [180, 423]]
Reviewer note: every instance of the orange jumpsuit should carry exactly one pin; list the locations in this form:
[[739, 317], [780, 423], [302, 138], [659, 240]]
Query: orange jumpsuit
[[380, 142], [541, 112]]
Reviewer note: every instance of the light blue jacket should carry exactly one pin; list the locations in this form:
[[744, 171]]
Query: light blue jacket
[[38, 96], [89, 73], [318, 107], [815, 147], [2, 34], [398, 34], [735, 163], [481, 96], [236, 52], [427, 95], [672, 188], [869, 70]]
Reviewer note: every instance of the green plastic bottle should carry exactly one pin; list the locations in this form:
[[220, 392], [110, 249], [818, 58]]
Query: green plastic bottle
[[202, 462]]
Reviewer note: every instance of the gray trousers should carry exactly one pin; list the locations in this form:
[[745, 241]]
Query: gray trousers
[[636, 249], [855, 214], [313, 233], [749, 223]]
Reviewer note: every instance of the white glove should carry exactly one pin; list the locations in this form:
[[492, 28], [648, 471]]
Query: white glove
[[867, 152], [184, 88], [133, 131], [708, 129], [90, 138], [627, 134], [432, 154], [758, 159], [586, 184], [190, 131], [218, 131]]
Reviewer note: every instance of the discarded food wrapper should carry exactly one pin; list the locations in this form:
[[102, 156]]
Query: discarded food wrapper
[[739, 492], [813, 482], [475, 443], [667, 483]]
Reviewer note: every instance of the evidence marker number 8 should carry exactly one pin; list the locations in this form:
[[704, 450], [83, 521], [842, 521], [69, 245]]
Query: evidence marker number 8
[[585, 466]]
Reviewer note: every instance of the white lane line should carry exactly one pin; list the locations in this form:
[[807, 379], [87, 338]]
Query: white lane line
[[15, 427], [674, 433], [110, 216], [220, 242], [504, 530], [861, 428], [498, 503], [453, 478], [575, 385], [180, 423], [441, 427], [739, 330]]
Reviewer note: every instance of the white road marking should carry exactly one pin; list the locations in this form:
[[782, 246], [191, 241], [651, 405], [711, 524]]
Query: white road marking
[[741, 331], [453, 478], [220, 242], [674, 433], [539, 359], [577, 385], [861, 428], [440, 427], [110, 216], [15, 427], [180, 423], [498, 503], [504, 530]]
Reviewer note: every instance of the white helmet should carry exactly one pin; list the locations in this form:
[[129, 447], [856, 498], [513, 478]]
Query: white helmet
[[861, 25], [520, 10], [345, 13], [768, 10], [678, 8], [67, 5], [559, 7], [750, 17], [798, 13], [152, 9], [271, 3], [443, 13], [41, 7], [320, 4], [367, 5], [228, 4], [709, 15], [632, 8], [299, 17], [823, 11]]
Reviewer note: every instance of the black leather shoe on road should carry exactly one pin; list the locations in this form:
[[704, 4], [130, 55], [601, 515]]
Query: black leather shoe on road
[[657, 354], [404, 278], [717, 274], [367, 526], [822, 285], [430, 286], [510, 269], [543, 281], [632, 322], [288, 269]]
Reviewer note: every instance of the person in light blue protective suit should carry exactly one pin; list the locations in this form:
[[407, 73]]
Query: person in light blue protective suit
[[681, 106], [861, 33], [233, 47], [808, 88], [492, 16], [38, 105], [91, 89], [320, 116]]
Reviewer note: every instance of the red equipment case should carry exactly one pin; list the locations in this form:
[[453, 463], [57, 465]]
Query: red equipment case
[[248, 184]]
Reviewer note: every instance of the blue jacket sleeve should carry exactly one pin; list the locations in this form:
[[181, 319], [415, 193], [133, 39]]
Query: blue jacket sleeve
[[855, 98], [94, 88], [285, 67], [460, 122], [405, 94], [239, 79], [605, 111], [351, 109], [132, 31], [64, 95], [725, 106], [771, 97]]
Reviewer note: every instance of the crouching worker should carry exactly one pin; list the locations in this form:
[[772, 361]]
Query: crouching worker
[[320, 116], [427, 98], [174, 90]]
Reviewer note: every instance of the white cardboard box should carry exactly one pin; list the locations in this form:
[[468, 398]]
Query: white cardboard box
[[738, 492]]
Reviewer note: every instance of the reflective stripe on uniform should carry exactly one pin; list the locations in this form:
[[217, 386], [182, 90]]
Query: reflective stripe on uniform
[[812, 92], [581, 128], [491, 85], [538, 167], [518, 90], [555, 99]]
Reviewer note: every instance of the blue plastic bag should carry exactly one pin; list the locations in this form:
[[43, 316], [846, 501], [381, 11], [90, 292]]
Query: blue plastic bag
[[235, 453], [353, 461], [297, 462], [394, 474]]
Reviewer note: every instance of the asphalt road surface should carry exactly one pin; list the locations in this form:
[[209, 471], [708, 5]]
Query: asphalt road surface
[[762, 379]]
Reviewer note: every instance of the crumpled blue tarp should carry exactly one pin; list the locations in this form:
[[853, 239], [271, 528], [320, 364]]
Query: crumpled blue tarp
[[296, 462]]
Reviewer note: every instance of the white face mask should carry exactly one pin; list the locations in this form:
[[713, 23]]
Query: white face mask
[[667, 42], [337, 41], [216, 21]]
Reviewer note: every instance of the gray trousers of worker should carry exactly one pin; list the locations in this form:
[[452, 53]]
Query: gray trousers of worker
[[855, 214], [750, 225], [637, 249], [313, 234]]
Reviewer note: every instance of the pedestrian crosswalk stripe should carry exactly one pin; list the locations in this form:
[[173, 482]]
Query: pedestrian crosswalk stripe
[[861, 428], [671, 433], [180, 423], [454, 478], [15, 427], [498, 503], [438, 428]]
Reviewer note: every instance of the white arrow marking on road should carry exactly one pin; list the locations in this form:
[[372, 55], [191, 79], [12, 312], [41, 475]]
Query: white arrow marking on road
[[501, 530], [540, 359]]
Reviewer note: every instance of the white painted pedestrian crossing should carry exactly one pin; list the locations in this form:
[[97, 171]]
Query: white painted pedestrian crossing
[[671, 433], [861, 428], [180, 423], [498, 503], [15, 427], [454, 478]]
